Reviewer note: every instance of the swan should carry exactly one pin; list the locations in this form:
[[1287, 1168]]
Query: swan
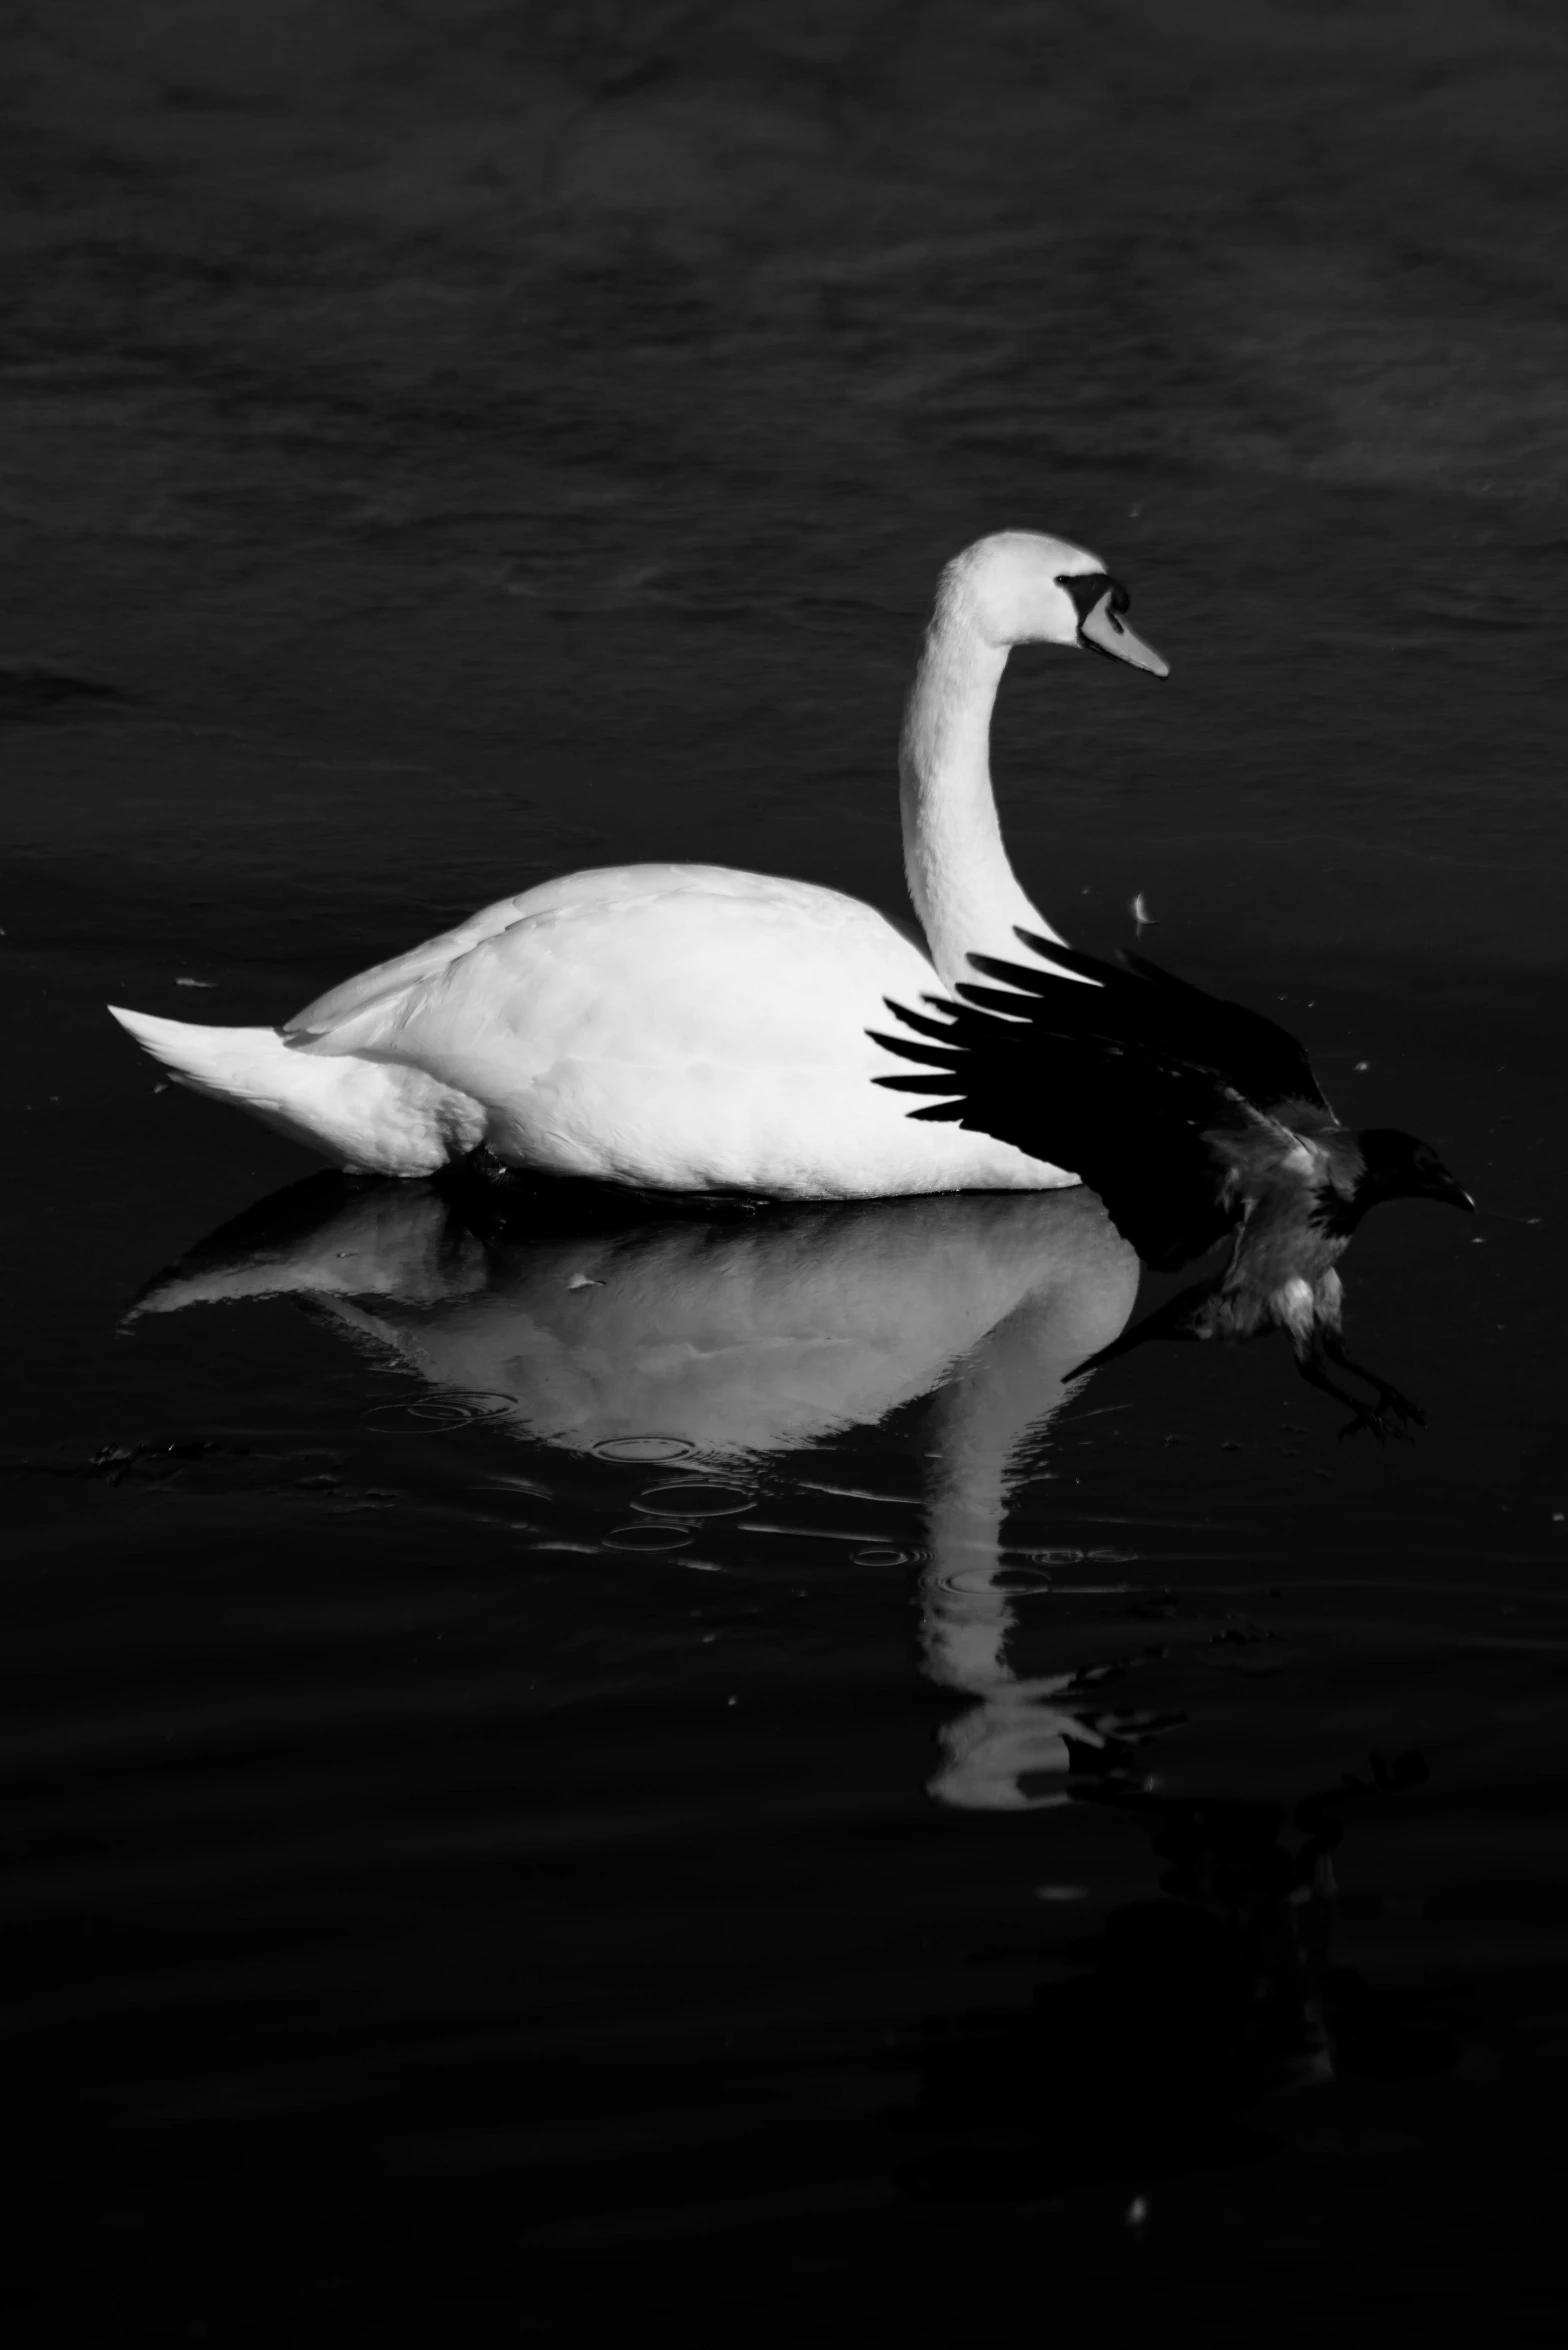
[[691, 1027]]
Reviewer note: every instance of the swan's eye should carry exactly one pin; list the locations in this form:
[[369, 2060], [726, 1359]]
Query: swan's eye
[[1088, 589]]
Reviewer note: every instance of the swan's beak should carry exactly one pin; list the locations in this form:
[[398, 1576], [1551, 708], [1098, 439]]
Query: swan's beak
[[1102, 632]]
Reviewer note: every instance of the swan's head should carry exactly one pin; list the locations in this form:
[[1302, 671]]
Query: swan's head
[[1019, 587]]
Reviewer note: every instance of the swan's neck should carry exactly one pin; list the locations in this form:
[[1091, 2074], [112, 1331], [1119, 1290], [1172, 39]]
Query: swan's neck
[[964, 890]]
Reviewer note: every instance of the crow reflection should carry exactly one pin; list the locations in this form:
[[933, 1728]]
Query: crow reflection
[[1194, 1120], [1182, 2014]]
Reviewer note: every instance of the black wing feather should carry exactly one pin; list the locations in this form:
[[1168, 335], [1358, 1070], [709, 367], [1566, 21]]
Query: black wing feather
[[1138, 1084], [1141, 1004], [920, 1022], [944, 1055]]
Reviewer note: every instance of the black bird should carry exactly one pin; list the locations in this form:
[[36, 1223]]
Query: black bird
[[1195, 1120]]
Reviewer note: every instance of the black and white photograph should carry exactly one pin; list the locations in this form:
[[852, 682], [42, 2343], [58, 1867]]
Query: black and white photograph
[[785, 807]]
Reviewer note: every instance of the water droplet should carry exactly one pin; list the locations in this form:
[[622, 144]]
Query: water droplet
[[644, 1448], [426, 1414], [690, 1497], [647, 1538]]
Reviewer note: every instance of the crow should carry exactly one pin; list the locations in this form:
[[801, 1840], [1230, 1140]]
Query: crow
[[1196, 1121]]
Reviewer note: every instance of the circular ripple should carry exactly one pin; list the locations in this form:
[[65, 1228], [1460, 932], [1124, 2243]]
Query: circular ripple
[[878, 1554], [423, 1415], [648, 1537], [644, 1448], [690, 1497]]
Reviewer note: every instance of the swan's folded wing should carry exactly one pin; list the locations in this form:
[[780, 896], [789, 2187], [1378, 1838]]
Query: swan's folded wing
[[350, 1017], [388, 983], [1158, 1139]]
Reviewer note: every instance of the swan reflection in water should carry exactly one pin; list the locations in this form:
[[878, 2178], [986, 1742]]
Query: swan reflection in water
[[592, 1319]]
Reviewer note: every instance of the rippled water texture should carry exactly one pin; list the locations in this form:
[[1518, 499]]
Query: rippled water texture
[[572, 1769]]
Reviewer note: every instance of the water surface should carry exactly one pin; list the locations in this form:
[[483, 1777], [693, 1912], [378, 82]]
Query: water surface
[[569, 1765]]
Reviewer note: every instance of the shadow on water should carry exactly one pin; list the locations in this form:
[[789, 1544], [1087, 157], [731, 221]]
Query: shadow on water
[[1150, 2044]]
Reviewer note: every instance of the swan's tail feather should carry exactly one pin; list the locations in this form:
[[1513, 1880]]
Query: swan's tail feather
[[365, 1115], [231, 1063]]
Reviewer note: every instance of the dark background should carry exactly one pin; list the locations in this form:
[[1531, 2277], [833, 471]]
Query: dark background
[[441, 445]]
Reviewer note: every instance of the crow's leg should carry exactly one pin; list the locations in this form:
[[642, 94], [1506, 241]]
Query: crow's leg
[[1310, 1363], [1390, 1400]]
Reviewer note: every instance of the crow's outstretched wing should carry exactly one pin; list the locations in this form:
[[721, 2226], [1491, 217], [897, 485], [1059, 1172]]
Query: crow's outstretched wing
[[1139, 1085], [1134, 1002]]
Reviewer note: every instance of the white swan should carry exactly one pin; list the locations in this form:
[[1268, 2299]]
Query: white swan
[[688, 1027]]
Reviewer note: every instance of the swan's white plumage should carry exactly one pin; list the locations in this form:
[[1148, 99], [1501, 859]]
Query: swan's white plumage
[[688, 1027], [364, 1114], [684, 1025]]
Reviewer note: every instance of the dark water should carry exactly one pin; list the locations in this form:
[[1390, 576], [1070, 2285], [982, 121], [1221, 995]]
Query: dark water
[[571, 1770]]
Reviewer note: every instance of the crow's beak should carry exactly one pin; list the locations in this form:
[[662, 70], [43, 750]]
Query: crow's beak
[[1451, 1194]]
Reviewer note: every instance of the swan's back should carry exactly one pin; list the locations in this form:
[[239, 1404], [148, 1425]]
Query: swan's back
[[606, 892], [684, 1025]]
